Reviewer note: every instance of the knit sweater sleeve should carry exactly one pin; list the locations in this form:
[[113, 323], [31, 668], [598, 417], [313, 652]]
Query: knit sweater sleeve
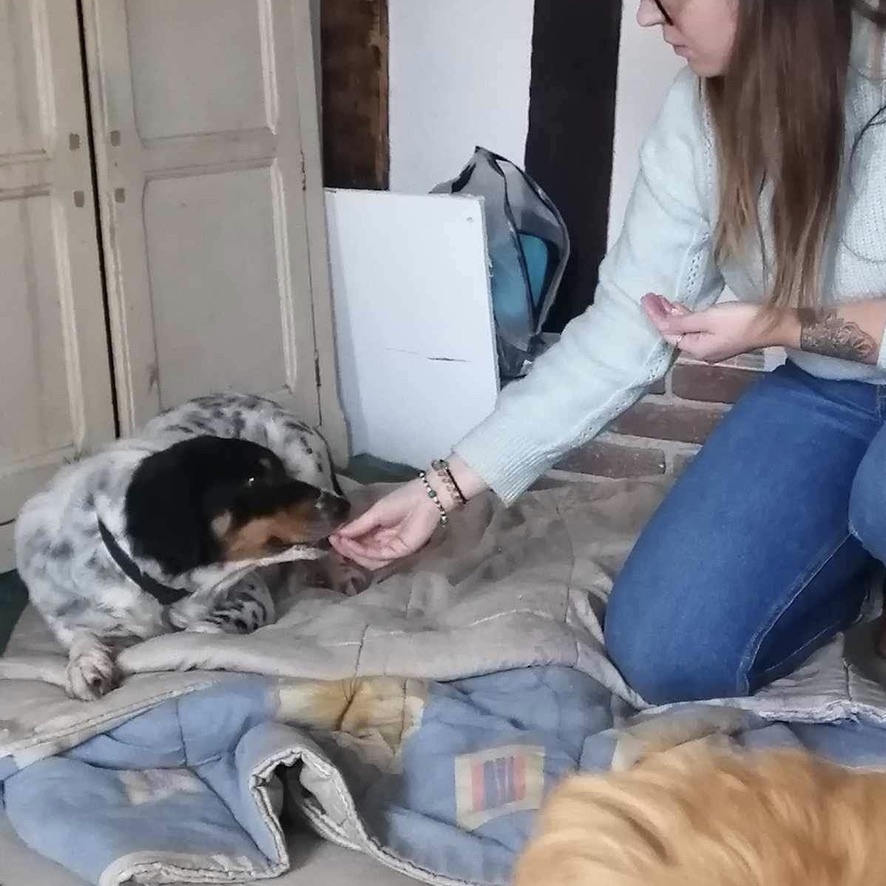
[[610, 355]]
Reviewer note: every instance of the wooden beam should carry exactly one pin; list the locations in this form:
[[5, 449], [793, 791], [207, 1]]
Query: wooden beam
[[572, 131], [354, 54]]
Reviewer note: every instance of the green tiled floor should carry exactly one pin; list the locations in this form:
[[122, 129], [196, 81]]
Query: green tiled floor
[[13, 597]]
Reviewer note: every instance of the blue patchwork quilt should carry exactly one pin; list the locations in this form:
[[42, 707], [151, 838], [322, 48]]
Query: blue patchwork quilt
[[422, 723]]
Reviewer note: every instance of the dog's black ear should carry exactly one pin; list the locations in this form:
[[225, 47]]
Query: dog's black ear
[[164, 518]]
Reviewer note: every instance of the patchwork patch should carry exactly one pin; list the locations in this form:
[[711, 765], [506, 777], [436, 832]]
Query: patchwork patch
[[497, 782]]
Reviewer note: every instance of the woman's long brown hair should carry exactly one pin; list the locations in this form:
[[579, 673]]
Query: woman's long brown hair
[[779, 120]]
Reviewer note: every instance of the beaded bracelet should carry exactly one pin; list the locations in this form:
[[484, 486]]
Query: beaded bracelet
[[441, 466], [432, 494]]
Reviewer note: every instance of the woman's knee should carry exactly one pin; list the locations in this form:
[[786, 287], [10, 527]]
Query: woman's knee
[[867, 503], [672, 658], [690, 634]]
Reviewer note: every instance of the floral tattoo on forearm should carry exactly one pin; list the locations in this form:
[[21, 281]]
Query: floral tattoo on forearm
[[823, 332]]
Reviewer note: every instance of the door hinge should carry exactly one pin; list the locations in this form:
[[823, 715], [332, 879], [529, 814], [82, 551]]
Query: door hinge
[[317, 368]]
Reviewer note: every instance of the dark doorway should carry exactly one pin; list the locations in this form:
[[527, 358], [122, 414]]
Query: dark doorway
[[572, 131], [354, 53]]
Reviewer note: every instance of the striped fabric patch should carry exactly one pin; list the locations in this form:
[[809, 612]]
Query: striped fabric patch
[[497, 782]]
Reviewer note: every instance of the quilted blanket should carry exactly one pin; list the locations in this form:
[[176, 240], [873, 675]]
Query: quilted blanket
[[421, 722]]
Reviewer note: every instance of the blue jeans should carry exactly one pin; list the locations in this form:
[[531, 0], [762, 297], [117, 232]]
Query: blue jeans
[[763, 550]]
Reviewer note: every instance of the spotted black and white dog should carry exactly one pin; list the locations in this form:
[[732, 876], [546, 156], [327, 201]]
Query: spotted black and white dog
[[166, 531]]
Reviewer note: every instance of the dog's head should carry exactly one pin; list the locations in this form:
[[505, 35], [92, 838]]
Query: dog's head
[[210, 500]]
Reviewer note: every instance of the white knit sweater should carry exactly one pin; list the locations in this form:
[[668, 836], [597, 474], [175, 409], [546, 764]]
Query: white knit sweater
[[609, 356]]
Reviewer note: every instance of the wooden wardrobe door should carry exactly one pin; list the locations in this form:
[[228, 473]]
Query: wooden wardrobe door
[[55, 381]]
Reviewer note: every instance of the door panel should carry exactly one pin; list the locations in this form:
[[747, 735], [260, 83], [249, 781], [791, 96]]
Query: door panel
[[22, 104], [55, 395], [36, 360], [219, 48], [222, 217]]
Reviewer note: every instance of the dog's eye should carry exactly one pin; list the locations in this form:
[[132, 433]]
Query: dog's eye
[[251, 481]]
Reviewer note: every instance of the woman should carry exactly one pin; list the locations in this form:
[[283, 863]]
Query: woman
[[766, 172]]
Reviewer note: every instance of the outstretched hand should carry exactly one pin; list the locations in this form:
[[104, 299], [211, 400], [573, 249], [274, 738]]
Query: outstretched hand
[[404, 520], [398, 525]]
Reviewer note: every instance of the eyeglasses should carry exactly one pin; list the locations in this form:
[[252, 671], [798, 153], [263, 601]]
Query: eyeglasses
[[664, 13]]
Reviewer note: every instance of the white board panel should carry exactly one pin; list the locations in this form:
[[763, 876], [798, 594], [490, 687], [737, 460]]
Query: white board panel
[[414, 325]]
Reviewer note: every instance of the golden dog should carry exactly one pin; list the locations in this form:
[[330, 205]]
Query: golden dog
[[707, 818]]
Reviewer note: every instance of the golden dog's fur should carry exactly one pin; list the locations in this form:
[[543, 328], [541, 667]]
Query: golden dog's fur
[[702, 818]]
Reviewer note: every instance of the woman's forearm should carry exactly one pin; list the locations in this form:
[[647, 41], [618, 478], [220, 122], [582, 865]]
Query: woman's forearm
[[852, 331], [469, 481]]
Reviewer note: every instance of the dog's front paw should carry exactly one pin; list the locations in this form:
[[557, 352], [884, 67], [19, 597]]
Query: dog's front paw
[[92, 674], [245, 608], [249, 606], [187, 613]]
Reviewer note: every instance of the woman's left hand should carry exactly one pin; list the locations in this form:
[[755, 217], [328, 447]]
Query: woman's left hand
[[715, 334]]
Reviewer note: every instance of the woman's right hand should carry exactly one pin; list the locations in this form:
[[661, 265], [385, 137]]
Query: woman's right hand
[[396, 526], [402, 522]]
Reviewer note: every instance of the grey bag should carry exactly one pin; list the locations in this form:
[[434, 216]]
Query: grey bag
[[528, 251]]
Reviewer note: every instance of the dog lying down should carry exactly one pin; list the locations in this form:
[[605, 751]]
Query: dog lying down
[[166, 531], [702, 818]]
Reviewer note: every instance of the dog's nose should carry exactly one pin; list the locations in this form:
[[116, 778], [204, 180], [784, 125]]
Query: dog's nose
[[335, 506]]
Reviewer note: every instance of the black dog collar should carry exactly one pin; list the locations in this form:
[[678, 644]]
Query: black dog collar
[[163, 594]]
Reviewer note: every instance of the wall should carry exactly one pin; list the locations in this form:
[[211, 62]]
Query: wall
[[663, 432], [459, 77], [646, 68]]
